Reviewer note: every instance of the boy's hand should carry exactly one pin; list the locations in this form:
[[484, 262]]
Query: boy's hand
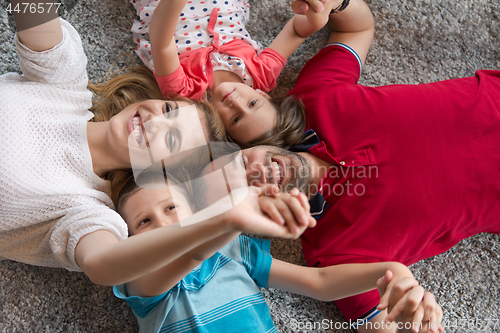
[[290, 209], [407, 302]]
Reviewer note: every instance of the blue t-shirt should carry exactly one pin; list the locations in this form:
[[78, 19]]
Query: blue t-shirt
[[220, 295]]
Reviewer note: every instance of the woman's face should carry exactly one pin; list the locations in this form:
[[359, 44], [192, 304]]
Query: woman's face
[[154, 130], [148, 209]]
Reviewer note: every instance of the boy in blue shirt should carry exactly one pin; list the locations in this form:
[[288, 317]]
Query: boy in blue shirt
[[215, 287]]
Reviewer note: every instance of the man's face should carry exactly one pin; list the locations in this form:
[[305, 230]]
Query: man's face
[[273, 165]]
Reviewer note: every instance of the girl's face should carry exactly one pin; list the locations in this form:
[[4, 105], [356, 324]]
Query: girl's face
[[246, 113], [148, 209], [152, 130]]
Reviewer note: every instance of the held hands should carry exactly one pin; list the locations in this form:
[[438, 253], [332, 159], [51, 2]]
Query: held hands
[[288, 209], [408, 304], [267, 212]]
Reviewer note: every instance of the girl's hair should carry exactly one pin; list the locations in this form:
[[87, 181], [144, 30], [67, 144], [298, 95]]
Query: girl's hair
[[290, 124], [135, 84]]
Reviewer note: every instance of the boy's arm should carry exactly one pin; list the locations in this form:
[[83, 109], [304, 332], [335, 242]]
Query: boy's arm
[[299, 28], [108, 261], [407, 302], [161, 33], [283, 208], [340, 281], [168, 276], [333, 282], [354, 26]]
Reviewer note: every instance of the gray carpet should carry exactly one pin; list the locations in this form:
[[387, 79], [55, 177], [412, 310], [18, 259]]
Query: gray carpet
[[416, 41]]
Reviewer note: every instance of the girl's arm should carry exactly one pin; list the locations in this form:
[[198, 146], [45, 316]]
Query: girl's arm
[[161, 33], [300, 27], [288, 208]]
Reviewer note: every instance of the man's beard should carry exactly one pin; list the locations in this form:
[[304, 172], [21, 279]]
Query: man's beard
[[300, 171]]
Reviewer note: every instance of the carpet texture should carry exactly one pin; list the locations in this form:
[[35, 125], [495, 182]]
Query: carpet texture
[[416, 41]]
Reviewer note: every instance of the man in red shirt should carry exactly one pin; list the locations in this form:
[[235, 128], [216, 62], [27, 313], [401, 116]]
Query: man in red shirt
[[394, 173]]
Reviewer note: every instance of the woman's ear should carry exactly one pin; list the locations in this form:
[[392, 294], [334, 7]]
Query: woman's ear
[[263, 93]]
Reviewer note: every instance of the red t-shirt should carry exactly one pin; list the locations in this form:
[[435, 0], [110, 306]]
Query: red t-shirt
[[417, 167]]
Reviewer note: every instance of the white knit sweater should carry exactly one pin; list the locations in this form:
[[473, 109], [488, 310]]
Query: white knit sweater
[[49, 195]]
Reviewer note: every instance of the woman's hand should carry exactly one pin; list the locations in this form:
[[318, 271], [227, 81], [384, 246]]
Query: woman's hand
[[38, 26]]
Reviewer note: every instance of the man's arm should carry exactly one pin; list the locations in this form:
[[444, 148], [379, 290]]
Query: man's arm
[[354, 26], [299, 28]]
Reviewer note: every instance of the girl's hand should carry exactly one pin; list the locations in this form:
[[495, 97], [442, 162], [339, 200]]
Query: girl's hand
[[407, 302]]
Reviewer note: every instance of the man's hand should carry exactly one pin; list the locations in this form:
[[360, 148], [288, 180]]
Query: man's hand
[[300, 7], [407, 302]]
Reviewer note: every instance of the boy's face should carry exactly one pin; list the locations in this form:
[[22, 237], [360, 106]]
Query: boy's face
[[149, 209], [246, 113]]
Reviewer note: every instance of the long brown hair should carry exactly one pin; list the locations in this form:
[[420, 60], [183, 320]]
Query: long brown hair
[[134, 84], [122, 88]]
